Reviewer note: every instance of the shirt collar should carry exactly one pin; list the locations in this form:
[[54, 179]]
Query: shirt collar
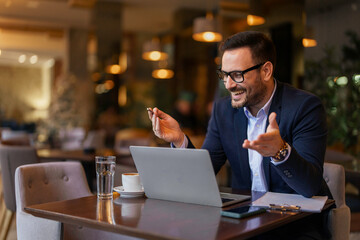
[[265, 109]]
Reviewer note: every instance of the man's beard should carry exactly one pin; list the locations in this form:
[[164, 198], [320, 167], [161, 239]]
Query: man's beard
[[249, 100]]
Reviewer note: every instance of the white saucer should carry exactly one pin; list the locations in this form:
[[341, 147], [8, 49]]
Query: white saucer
[[124, 194]]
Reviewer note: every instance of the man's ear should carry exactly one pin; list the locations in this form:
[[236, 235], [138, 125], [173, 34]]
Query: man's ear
[[267, 70]]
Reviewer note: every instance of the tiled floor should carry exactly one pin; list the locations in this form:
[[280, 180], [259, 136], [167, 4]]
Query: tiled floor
[[12, 233]]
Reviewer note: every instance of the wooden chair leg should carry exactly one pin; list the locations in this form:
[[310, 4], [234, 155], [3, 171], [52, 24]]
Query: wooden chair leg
[[6, 224], [2, 212]]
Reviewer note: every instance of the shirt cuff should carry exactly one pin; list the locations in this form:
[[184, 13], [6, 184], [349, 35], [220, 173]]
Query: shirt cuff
[[286, 158], [183, 145]]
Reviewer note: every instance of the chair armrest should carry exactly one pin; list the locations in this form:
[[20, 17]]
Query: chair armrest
[[339, 223]]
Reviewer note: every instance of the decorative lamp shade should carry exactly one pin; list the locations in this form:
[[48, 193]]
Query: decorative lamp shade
[[206, 29], [255, 16], [309, 37], [152, 51], [119, 66], [253, 20], [163, 73]]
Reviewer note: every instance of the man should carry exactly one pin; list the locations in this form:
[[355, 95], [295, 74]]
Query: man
[[273, 135]]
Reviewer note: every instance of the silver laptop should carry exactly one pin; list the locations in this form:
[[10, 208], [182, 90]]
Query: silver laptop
[[182, 175]]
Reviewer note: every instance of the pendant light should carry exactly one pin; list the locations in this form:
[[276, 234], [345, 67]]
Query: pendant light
[[119, 64], [162, 71], [152, 51], [254, 17], [309, 35], [206, 29]]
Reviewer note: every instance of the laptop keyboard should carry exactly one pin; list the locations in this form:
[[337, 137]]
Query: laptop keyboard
[[229, 197]]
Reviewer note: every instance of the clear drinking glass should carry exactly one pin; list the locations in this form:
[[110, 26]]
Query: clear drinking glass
[[105, 170]]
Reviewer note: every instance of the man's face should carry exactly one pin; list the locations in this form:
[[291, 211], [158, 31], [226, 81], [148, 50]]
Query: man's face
[[252, 91]]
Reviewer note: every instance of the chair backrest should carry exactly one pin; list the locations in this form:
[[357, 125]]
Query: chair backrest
[[339, 217], [12, 157], [42, 183], [48, 182], [334, 175], [10, 137]]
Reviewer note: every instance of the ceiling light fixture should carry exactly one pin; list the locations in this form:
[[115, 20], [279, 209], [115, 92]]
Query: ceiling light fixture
[[253, 20], [255, 16], [119, 66], [152, 51], [33, 59], [162, 73], [206, 29], [309, 37], [22, 58], [162, 70]]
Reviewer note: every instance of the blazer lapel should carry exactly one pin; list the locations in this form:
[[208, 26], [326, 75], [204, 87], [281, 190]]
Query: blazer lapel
[[240, 123]]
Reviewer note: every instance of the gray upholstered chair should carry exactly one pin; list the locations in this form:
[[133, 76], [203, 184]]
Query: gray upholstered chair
[[11, 157], [5, 214], [47, 182], [339, 217], [11, 137]]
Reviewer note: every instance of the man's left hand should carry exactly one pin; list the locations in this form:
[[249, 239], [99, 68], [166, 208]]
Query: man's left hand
[[268, 143]]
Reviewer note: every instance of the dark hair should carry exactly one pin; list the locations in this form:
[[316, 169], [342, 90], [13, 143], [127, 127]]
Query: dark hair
[[262, 48]]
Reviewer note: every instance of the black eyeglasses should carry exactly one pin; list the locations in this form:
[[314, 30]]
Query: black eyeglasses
[[236, 76]]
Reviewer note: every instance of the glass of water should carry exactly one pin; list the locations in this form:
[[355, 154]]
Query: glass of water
[[105, 170]]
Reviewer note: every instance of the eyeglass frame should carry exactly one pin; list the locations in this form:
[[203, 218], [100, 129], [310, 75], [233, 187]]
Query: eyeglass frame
[[227, 74]]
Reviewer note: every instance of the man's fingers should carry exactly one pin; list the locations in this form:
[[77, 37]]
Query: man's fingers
[[268, 136], [272, 122], [264, 149], [150, 112]]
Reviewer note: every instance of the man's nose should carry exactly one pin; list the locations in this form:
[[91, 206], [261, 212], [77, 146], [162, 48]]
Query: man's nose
[[229, 83]]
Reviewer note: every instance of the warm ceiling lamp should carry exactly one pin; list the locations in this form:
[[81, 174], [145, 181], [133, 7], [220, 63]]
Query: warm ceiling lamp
[[152, 51], [253, 20], [307, 42], [206, 29], [309, 37], [119, 67], [162, 73], [254, 17]]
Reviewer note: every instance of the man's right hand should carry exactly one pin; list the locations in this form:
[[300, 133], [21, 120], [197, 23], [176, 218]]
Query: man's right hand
[[166, 127]]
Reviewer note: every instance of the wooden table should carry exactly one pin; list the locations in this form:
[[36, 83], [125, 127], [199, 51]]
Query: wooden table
[[80, 155], [158, 219], [122, 158]]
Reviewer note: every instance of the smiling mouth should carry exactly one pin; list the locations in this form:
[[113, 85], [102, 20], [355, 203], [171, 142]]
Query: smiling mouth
[[236, 95]]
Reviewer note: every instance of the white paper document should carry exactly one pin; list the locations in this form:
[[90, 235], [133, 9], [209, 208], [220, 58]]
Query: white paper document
[[314, 204]]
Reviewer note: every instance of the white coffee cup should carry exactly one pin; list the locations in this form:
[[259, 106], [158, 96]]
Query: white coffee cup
[[131, 182]]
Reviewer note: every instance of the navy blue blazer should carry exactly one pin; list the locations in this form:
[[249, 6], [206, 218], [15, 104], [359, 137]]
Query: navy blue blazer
[[302, 121]]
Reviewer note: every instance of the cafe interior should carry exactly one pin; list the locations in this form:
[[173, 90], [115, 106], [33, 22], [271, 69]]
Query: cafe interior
[[77, 77]]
